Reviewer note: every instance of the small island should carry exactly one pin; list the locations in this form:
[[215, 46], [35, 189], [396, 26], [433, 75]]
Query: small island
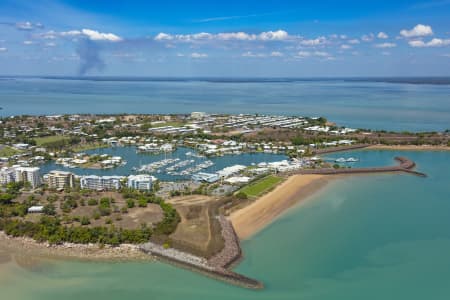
[[183, 188]]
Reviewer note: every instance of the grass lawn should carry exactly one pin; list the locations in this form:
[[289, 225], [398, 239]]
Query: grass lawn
[[261, 186], [42, 141], [89, 146], [7, 151]]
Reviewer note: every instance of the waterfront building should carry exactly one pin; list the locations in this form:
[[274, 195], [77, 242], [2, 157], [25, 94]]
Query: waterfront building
[[27, 174], [238, 179], [94, 182], [60, 180], [228, 171], [7, 175], [205, 177], [141, 182]]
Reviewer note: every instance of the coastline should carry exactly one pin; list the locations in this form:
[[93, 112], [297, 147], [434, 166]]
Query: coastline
[[408, 147], [88, 252], [263, 211]]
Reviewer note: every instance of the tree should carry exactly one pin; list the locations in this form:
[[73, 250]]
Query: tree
[[130, 203], [6, 198], [241, 196], [85, 221], [92, 202], [49, 209]]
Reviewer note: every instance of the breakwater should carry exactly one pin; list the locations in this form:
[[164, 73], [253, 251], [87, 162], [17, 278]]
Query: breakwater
[[405, 165], [217, 267], [231, 251]]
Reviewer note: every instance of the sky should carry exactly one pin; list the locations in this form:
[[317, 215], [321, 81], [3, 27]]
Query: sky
[[230, 38]]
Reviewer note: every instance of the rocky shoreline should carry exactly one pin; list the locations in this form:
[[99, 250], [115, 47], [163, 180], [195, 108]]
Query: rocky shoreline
[[88, 252], [217, 267]]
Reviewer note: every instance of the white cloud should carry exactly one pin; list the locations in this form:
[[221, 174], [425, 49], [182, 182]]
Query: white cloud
[[386, 53], [314, 42], [386, 45], [49, 35], [368, 37], [276, 54], [322, 54], [163, 37], [303, 54], [382, 35], [69, 33], [433, 43], [3, 49], [27, 42], [199, 55], [251, 54], [354, 41], [100, 36], [346, 47], [93, 35], [241, 36], [279, 35], [418, 31], [24, 25], [50, 44]]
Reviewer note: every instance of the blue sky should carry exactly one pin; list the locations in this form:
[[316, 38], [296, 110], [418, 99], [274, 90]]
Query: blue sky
[[225, 38]]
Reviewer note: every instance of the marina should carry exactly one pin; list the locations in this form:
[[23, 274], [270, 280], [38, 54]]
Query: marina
[[178, 165]]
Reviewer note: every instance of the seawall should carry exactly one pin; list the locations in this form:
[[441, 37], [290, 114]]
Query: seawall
[[217, 267], [406, 165]]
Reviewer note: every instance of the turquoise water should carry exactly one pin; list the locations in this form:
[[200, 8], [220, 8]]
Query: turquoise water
[[367, 237], [375, 105], [366, 158], [134, 159]]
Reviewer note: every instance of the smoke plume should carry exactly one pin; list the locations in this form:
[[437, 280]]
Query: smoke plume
[[90, 58]]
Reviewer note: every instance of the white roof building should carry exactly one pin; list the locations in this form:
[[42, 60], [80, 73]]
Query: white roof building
[[140, 182], [35, 209], [228, 171]]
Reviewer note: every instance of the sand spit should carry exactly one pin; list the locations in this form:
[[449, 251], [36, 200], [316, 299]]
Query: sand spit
[[252, 218]]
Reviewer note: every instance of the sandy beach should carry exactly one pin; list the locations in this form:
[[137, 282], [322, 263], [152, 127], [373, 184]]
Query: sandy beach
[[409, 147], [254, 217]]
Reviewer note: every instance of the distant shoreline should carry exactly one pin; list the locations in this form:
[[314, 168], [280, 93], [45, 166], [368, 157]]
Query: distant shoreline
[[432, 80], [409, 147]]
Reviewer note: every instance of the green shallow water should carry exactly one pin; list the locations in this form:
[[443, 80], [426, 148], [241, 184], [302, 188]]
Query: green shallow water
[[367, 237]]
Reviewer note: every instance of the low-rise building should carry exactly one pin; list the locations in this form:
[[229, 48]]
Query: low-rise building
[[7, 175], [205, 177], [28, 174], [94, 182], [60, 180], [141, 182], [36, 209]]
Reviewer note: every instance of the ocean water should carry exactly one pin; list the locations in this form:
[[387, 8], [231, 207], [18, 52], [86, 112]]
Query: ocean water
[[364, 237], [359, 104]]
